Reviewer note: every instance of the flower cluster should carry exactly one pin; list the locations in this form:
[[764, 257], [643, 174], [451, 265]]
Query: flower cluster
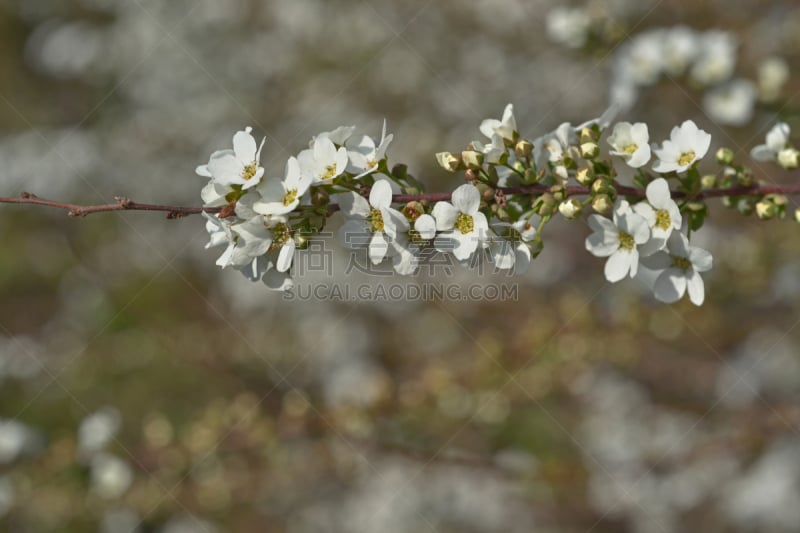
[[708, 58], [513, 188]]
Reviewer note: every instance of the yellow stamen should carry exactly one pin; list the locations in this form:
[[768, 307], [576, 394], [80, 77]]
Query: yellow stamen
[[330, 172], [280, 235], [290, 197], [630, 149], [376, 218], [249, 171], [681, 262], [663, 219], [626, 241], [465, 223], [686, 158]]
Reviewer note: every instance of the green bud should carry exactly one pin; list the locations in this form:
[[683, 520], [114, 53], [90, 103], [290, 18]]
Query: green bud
[[300, 240], [745, 178], [695, 206], [778, 199], [590, 150], [531, 176], [797, 214], [472, 159], [448, 161], [545, 204], [602, 186], [519, 166], [602, 204], [523, 148], [745, 206], [588, 135], [724, 156], [766, 210], [708, 182], [558, 192], [585, 176], [502, 214], [570, 208]]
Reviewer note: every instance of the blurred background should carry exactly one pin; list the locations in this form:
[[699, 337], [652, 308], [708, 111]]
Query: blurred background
[[142, 389]]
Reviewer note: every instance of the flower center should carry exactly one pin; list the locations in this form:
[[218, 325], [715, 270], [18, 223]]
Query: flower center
[[464, 223], [681, 262], [330, 171], [626, 241], [280, 235], [376, 219], [686, 158], [372, 163], [290, 197], [630, 149], [663, 220], [249, 171]]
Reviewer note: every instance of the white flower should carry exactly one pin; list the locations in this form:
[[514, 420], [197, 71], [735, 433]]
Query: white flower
[[243, 241], [407, 247], [323, 161], [716, 60], [215, 195], [680, 265], [282, 197], [631, 142], [240, 166], [463, 228], [365, 156], [772, 75], [686, 145], [731, 103], [494, 151], [619, 240], [527, 227], [568, 26], [644, 61], [374, 224], [680, 49], [777, 140], [505, 128], [339, 136], [282, 245], [661, 213]]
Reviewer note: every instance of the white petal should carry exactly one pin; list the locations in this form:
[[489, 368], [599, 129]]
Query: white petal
[[244, 146], [640, 157], [381, 194], [353, 205], [696, 288], [701, 259], [285, 256], [670, 285], [658, 193], [465, 245], [425, 225], [378, 247], [657, 261], [522, 261], [467, 199], [445, 215], [405, 262], [618, 266], [602, 244]]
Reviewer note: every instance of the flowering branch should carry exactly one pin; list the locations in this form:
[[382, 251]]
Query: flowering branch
[[176, 211]]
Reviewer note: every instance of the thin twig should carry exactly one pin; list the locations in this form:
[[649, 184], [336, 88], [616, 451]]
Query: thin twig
[[177, 211]]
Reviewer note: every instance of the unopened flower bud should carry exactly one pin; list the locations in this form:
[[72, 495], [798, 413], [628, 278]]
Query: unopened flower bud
[[745, 178], [766, 210], [519, 166], [789, 158], [502, 214], [300, 240], [797, 214], [413, 210], [546, 204], [588, 135], [558, 192], [448, 161], [778, 199], [470, 175], [531, 176], [523, 148], [585, 176], [724, 156], [602, 186], [472, 159], [570, 208], [590, 150], [708, 182], [602, 204]]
